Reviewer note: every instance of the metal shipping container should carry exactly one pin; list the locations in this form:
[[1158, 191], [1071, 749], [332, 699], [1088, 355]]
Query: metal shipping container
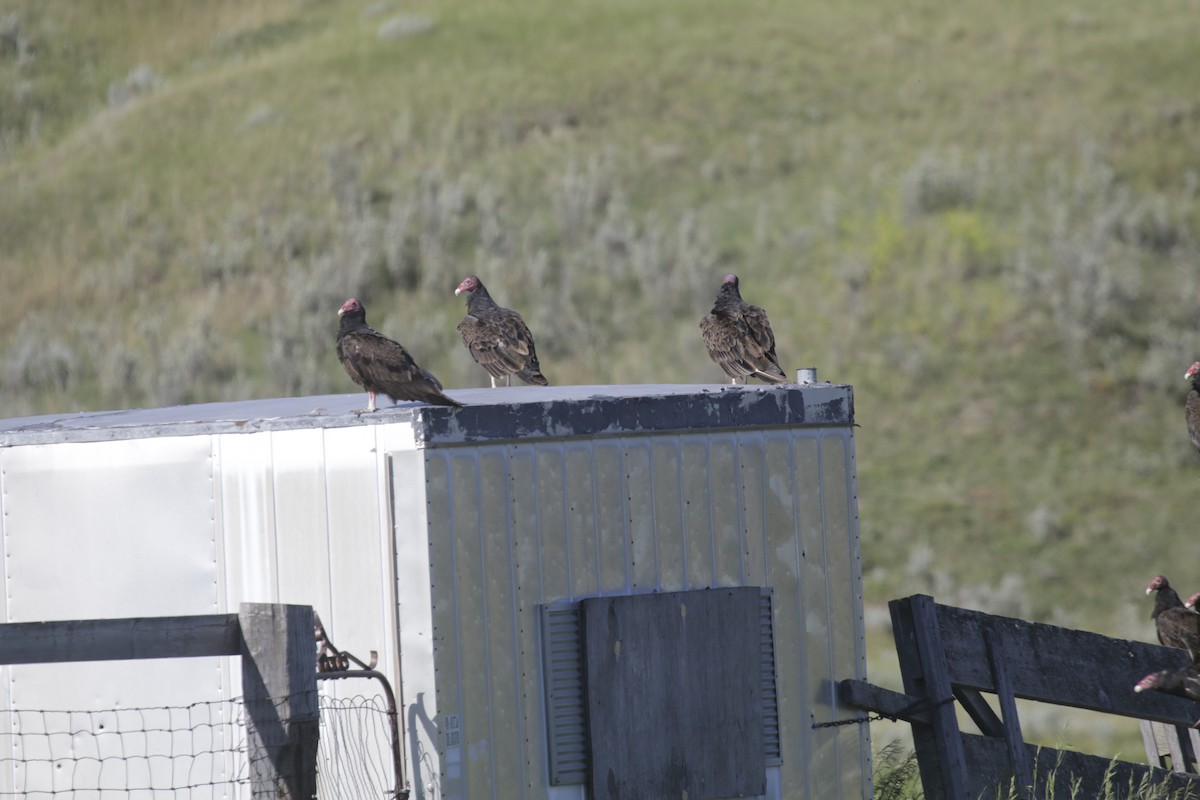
[[471, 548]]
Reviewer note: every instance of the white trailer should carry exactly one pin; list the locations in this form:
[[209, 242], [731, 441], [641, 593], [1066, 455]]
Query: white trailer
[[469, 548]]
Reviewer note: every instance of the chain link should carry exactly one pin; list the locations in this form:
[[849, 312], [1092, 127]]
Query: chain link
[[920, 705]]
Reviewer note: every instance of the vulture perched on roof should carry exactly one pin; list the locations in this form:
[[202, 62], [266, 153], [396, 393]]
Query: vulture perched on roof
[[497, 338], [739, 338], [1176, 626], [1191, 408], [380, 365], [1184, 682]]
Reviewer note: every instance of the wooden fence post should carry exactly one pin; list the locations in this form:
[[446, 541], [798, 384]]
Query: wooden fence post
[[922, 661], [279, 686]]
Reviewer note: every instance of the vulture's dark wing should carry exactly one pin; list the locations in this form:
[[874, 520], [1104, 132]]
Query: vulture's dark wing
[[761, 345], [742, 344], [1192, 412], [1178, 627], [381, 365], [502, 344]]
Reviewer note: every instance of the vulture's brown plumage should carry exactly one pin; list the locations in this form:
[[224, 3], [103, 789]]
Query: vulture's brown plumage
[[1176, 626], [739, 338], [1191, 407], [380, 365], [1184, 682], [497, 338]]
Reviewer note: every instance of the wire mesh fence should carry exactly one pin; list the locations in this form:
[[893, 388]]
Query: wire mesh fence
[[354, 758], [197, 751]]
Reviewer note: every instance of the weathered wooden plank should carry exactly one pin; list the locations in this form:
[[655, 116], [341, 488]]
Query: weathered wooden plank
[[279, 687], [870, 697], [1061, 666], [696, 735], [1171, 746], [1013, 741], [119, 639], [1056, 771], [1154, 741], [1182, 758], [938, 746], [979, 711]]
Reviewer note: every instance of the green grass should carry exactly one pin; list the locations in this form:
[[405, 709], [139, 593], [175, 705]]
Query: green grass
[[897, 777], [981, 215]]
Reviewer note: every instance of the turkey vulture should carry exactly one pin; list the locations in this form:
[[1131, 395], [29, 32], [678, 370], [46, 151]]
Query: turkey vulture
[[1184, 682], [1191, 408], [738, 337], [1191, 601], [1176, 626], [380, 365], [497, 337]]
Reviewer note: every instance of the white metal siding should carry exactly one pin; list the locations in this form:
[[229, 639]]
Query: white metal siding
[[515, 526], [196, 525], [306, 519], [107, 529], [416, 691]]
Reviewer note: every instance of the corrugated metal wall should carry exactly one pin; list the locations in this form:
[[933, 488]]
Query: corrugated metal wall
[[512, 526]]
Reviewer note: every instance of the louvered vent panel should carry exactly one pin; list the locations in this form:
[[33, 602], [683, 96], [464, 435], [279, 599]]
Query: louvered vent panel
[[566, 705], [769, 700], [562, 655]]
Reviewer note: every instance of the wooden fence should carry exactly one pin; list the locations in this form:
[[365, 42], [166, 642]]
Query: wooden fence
[[279, 675], [950, 656]]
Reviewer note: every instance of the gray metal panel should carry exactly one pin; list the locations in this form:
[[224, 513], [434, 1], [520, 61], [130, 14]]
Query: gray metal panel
[[697, 512], [668, 514], [582, 517], [553, 544], [783, 571], [471, 627], [725, 503], [843, 570], [441, 502], [608, 485], [505, 720], [752, 483], [529, 556], [639, 521], [818, 688], [674, 694], [571, 524]]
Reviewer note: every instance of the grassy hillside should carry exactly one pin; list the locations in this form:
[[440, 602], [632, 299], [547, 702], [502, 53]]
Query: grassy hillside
[[981, 215]]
